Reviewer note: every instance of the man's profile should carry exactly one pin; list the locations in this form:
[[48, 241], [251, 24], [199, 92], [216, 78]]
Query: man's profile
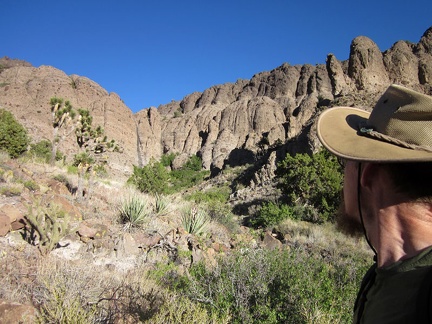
[[387, 156]]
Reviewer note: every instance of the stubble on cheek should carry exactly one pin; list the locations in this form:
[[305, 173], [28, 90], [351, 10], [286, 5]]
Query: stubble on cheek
[[348, 224]]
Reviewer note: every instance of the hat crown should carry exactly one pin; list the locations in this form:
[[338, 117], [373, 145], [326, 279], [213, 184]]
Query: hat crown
[[404, 115]]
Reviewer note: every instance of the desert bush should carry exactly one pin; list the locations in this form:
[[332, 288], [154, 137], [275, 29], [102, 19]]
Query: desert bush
[[167, 159], [72, 169], [62, 178], [82, 158], [42, 150], [313, 181], [261, 286], [152, 178], [134, 211], [180, 309], [72, 292], [13, 136], [272, 214], [11, 190], [218, 194], [31, 185], [214, 201], [188, 175], [221, 212], [194, 220], [60, 307]]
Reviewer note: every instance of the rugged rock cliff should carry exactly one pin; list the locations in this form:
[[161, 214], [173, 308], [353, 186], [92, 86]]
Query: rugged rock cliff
[[228, 124], [26, 92]]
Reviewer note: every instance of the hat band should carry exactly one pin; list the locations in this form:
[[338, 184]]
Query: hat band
[[386, 138]]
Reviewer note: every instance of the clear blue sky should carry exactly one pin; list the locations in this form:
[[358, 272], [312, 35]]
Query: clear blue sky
[[153, 51]]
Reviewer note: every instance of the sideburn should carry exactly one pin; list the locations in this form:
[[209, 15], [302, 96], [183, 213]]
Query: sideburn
[[347, 224]]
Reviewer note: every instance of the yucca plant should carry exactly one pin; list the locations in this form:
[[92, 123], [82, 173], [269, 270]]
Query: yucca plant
[[194, 220], [161, 204], [133, 211]]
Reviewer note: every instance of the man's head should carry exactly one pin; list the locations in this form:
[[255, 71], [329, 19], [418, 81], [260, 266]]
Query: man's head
[[399, 129], [396, 138]]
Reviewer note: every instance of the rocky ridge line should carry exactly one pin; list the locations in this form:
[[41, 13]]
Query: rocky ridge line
[[228, 124]]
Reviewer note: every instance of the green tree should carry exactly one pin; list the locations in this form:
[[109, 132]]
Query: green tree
[[62, 120], [312, 181], [188, 175], [13, 136], [152, 178]]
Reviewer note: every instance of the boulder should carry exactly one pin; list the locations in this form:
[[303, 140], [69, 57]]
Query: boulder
[[12, 313]]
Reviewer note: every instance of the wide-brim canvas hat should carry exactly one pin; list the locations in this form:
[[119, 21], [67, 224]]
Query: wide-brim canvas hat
[[399, 129]]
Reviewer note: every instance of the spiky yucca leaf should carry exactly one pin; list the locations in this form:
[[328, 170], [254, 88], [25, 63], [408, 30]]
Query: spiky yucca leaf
[[161, 204], [194, 220], [133, 211]]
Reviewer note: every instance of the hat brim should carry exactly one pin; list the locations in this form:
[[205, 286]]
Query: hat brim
[[338, 131]]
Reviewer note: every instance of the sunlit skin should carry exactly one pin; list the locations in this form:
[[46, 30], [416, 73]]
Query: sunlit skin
[[397, 228]]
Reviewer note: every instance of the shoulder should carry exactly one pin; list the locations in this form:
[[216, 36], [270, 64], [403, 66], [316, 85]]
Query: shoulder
[[424, 300]]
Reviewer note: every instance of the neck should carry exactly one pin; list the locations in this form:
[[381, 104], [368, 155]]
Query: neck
[[402, 231]]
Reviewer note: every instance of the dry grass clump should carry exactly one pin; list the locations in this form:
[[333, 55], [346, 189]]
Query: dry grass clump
[[324, 236], [68, 292], [18, 263]]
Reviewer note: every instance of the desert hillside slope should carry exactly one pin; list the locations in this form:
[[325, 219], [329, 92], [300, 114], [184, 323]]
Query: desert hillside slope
[[93, 264]]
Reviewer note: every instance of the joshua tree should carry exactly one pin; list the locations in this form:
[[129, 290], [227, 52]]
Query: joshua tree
[[62, 122], [93, 144]]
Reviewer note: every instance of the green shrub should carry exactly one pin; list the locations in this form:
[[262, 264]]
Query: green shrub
[[10, 191], [152, 178], [72, 169], [188, 175], [43, 150], [82, 159], [180, 309], [66, 293], [167, 159], [220, 194], [133, 211], [13, 136], [314, 181], [62, 178], [60, 307], [272, 214], [31, 185], [221, 212], [261, 286], [214, 201], [100, 170]]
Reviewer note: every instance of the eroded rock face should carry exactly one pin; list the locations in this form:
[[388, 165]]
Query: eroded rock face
[[231, 122], [26, 92], [227, 124]]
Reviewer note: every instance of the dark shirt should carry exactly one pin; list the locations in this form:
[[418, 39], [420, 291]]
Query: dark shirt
[[399, 293]]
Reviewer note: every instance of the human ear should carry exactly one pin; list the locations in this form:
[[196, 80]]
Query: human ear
[[369, 175]]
